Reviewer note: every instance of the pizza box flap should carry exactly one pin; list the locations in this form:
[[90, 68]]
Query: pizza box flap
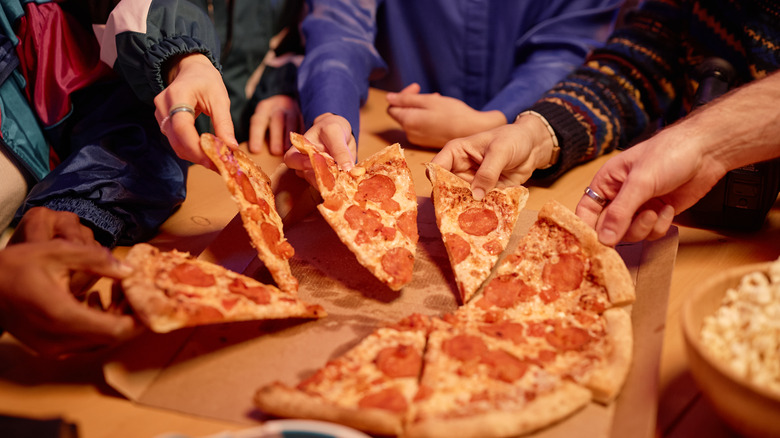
[[213, 371]]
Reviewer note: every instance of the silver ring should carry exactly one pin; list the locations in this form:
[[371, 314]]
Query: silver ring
[[600, 200], [181, 107]]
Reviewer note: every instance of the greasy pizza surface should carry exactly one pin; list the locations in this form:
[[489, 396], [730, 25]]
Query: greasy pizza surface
[[475, 232], [372, 208], [170, 289], [549, 333], [250, 187]]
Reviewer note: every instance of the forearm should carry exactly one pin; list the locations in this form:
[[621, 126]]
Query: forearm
[[740, 128]]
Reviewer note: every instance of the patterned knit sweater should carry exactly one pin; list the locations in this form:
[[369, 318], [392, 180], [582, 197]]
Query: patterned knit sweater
[[646, 73]]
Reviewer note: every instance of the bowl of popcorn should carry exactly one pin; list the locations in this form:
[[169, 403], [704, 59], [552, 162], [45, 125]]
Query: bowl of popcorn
[[731, 325]]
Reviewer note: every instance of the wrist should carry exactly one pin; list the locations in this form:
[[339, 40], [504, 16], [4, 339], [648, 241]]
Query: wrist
[[177, 63], [543, 136]]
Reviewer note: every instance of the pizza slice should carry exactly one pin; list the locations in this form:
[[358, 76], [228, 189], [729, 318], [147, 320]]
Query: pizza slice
[[370, 387], [372, 208], [250, 187], [573, 295], [559, 264], [169, 290], [475, 233], [591, 349], [474, 387]]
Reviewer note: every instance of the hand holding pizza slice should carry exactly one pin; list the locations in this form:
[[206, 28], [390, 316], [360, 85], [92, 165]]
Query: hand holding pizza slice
[[475, 233], [372, 208], [250, 187]]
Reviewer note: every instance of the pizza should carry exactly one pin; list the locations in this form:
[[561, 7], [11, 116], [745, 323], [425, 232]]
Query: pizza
[[250, 187], [475, 232], [372, 208], [370, 387], [572, 293], [548, 334], [473, 386], [168, 290]]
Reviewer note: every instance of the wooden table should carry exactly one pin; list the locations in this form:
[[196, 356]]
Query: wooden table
[[74, 389]]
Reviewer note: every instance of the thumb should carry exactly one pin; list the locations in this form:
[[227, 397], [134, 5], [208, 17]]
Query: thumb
[[486, 177]]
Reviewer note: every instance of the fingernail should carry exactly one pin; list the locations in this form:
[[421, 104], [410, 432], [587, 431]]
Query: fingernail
[[608, 237], [478, 194]]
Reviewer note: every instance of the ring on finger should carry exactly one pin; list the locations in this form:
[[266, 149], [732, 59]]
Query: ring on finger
[[181, 107], [600, 200]]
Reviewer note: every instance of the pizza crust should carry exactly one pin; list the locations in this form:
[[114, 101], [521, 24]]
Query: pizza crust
[[280, 400], [543, 411], [606, 263], [605, 382]]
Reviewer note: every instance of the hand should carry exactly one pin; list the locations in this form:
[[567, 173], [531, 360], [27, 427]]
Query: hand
[[648, 184], [334, 135], [194, 81], [432, 119], [503, 156], [40, 224], [274, 118], [37, 307]]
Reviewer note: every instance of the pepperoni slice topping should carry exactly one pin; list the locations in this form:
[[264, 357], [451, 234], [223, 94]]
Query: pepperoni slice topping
[[512, 331], [504, 366], [322, 169], [246, 187], [398, 263], [464, 347], [493, 247], [389, 399], [399, 361], [565, 275], [457, 247], [272, 238], [377, 188], [191, 274], [478, 221], [407, 224], [505, 292], [256, 293], [368, 221], [567, 338]]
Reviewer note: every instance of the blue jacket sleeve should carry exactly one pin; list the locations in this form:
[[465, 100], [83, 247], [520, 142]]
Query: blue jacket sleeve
[[340, 59], [552, 49], [140, 37]]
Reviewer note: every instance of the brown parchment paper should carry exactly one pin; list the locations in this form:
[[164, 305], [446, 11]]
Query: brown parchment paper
[[213, 371]]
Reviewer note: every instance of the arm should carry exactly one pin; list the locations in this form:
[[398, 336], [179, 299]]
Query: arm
[[167, 51], [333, 78], [660, 177]]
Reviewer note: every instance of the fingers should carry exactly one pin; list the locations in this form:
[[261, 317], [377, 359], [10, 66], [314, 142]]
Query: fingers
[[276, 132], [97, 260], [337, 143], [488, 174], [40, 224]]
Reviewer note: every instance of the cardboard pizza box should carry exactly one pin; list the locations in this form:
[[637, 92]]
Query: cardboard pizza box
[[213, 371]]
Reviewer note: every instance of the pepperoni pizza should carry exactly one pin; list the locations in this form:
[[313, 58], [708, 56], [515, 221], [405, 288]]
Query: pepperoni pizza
[[372, 208], [250, 187], [169, 290], [550, 332], [475, 232]]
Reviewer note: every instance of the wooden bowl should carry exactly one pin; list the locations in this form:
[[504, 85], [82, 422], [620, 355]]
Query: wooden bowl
[[750, 410]]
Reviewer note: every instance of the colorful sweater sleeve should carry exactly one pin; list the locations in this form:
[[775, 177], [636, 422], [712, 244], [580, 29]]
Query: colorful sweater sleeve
[[140, 37], [620, 90]]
